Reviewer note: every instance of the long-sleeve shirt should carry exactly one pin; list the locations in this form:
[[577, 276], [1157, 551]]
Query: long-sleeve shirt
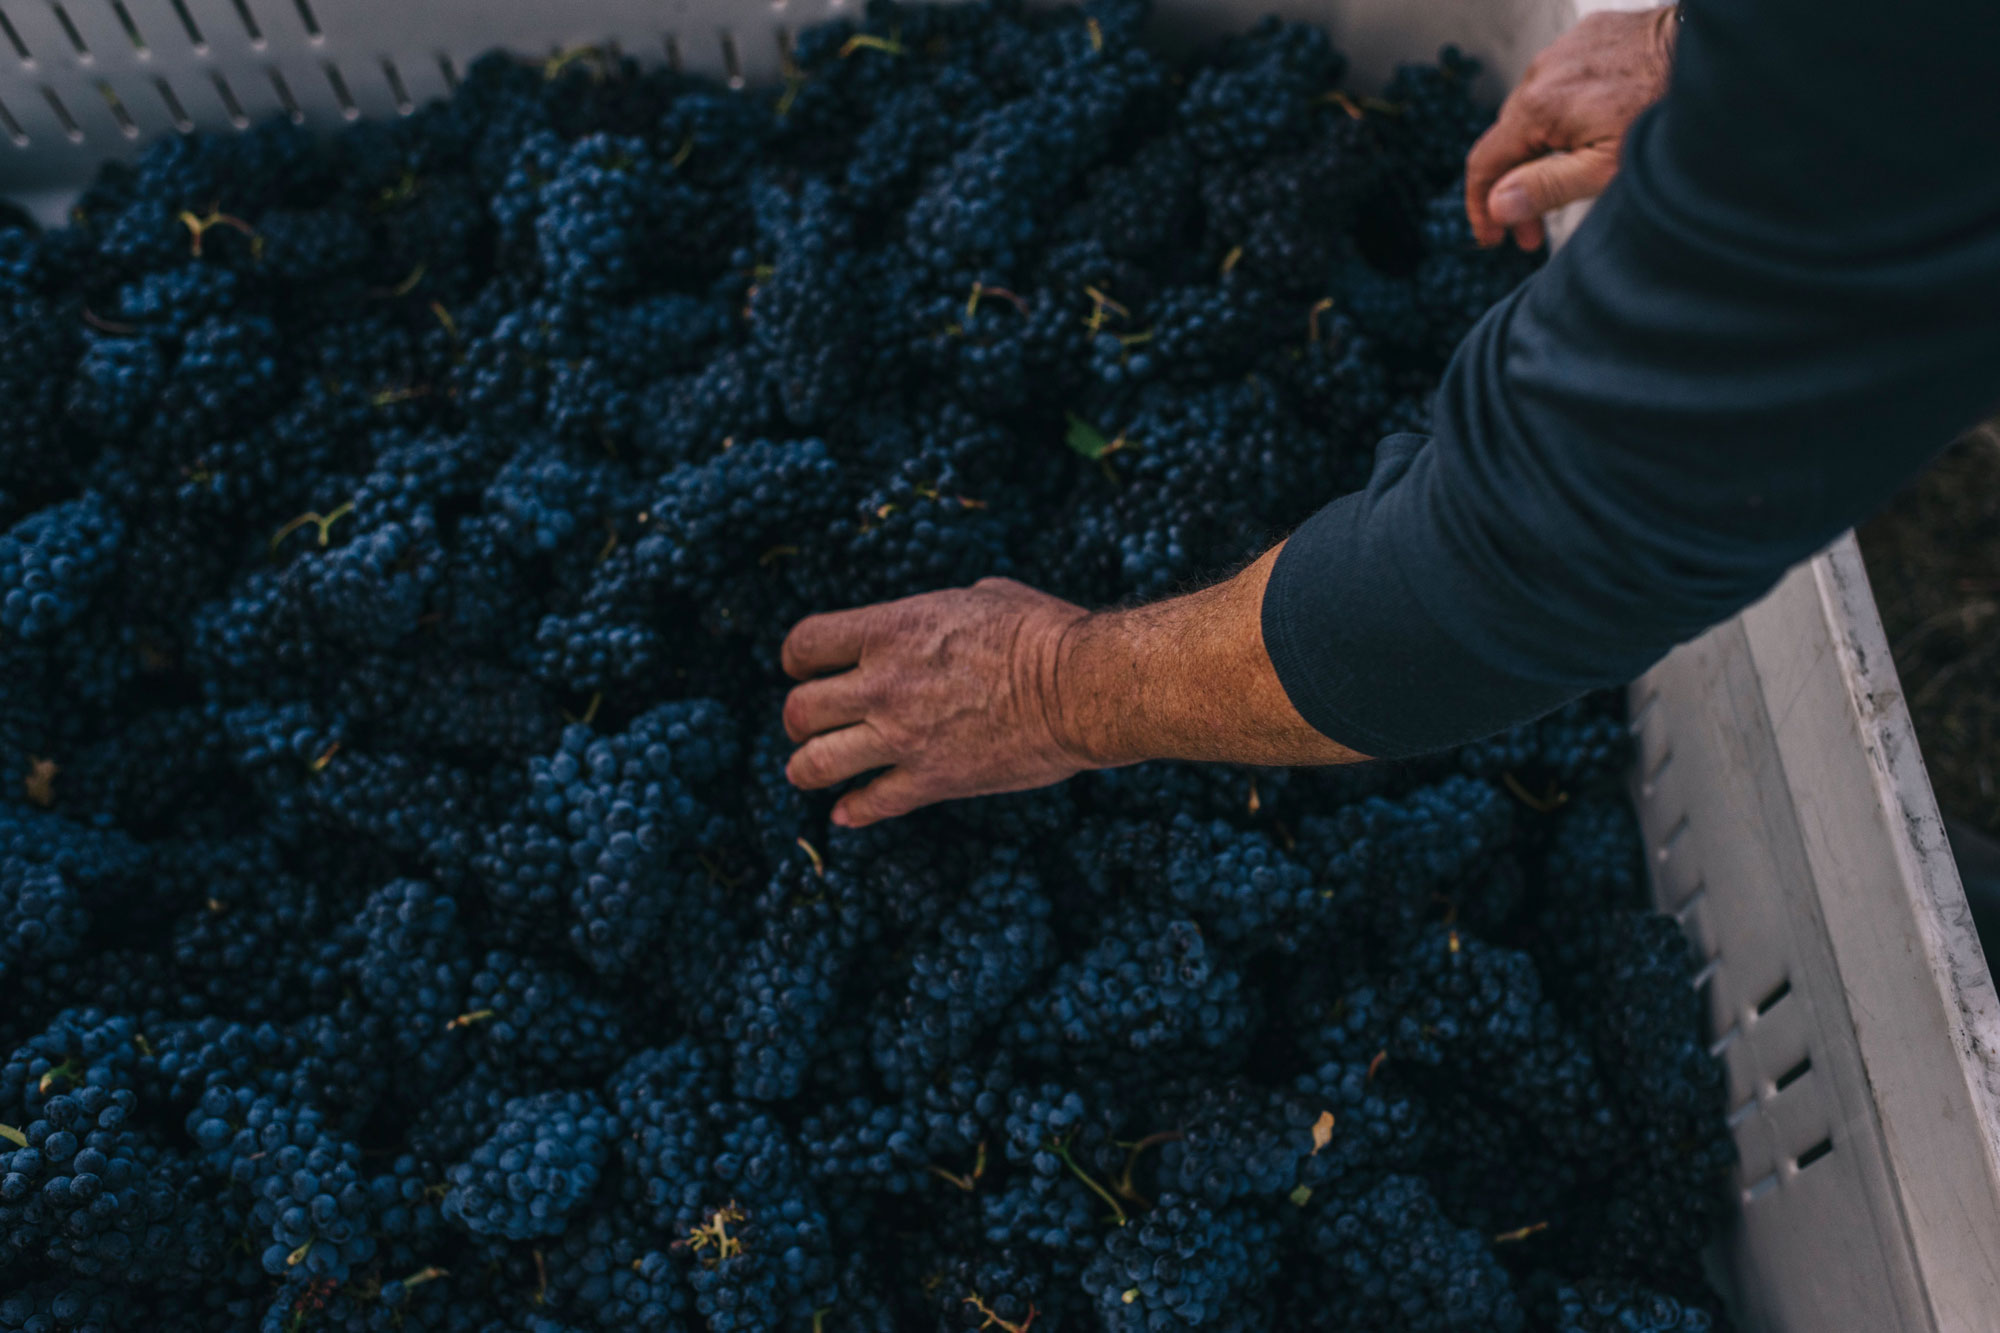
[[1787, 301]]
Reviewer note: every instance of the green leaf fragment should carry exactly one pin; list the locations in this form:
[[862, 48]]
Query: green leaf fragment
[[1086, 439]]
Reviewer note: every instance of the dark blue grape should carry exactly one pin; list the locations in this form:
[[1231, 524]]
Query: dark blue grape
[[535, 1169], [1389, 1258], [51, 562]]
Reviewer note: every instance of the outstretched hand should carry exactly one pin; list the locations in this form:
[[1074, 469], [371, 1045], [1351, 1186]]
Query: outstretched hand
[[998, 688], [949, 694], [1559, 133]]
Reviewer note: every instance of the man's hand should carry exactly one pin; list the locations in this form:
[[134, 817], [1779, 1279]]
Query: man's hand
[[999, 688], [1559, 133], [955, 693]]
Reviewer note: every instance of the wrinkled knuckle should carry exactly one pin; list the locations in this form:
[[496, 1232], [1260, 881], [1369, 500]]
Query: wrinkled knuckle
[[1535, 101], [874, 692], [901, 747], [1549, 191]]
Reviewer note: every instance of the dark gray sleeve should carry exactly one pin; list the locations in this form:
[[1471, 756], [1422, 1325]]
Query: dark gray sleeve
[[1788, 300]]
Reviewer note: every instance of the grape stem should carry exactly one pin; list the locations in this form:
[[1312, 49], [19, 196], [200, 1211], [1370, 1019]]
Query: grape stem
[[1060, 1147], [1124, 1184], [198, 228], [324, 522], [966, 1182], [993, 1320], [66, 1070], [863, 41]]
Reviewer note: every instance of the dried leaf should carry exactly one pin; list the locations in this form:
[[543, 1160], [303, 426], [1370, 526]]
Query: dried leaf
[[40, 783]]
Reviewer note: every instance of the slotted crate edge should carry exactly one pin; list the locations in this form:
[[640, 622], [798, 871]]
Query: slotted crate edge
[[1791, 827], [78, 89]]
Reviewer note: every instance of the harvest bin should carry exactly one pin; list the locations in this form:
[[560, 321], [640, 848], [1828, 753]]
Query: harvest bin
[[1791, 827]]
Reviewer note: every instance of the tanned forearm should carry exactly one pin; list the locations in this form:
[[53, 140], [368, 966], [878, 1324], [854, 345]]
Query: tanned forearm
[[1187, 678], [998, 687]]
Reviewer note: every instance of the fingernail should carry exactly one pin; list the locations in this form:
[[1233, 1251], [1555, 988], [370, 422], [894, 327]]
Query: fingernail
[[1510, 204], [840, 818]]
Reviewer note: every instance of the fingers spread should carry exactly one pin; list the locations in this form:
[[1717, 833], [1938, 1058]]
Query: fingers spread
[[1546, 184], [836, 756], [896, 792], [824, 704], [828, 642]]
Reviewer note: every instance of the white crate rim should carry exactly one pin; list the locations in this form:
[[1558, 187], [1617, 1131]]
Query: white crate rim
[[83, 81], [1794, 834]]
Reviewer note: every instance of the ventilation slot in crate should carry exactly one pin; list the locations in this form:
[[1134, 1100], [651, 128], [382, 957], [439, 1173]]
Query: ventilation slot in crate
[[335, 81], [68, 25], [124, 17], [190, 27], [250, 28], [71, 130], [126, 125], [176, 113], [230, 106], [293, 111], [390, 76], [13, 36], [732, 65]]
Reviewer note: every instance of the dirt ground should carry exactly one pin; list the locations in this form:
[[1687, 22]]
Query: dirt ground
[[1934, 559]]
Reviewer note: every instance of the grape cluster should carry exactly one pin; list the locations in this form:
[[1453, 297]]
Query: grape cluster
[[540, 1162], [1624, 1307], [39, 914], [52, 560], [1393, 1259], [405, 920]]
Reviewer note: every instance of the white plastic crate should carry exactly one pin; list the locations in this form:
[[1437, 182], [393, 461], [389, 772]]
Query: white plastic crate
[[1794, 834], [1783, 799], [86, 80]]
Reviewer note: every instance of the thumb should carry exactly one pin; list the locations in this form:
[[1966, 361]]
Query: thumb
[[1547, 183]]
